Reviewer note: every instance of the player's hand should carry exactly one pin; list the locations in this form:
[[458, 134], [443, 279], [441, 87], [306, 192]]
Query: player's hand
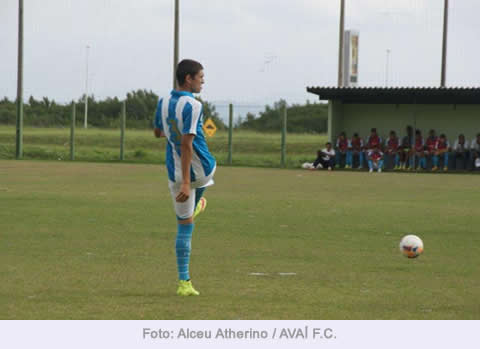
[[184, 193]]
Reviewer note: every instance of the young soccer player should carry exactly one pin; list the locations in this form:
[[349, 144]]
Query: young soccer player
[[325, 157], [342, 150], [375, 159], [418, 151], [441, 149], [475, 152], [406, 147], [461, 151], [430, 145], [190, 165], [356, 148], [392, 149]]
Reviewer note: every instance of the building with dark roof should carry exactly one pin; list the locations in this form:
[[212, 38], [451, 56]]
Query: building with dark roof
[[447, 110]]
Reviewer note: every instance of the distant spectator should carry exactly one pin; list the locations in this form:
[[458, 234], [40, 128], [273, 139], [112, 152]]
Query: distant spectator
[[475, 152], [373, 140], [375, 159], [405, 148], [341, 150], [325, 157], [391, 149], [430, 145], [441, 151], [461, 151], [356, 149], [418, 151]]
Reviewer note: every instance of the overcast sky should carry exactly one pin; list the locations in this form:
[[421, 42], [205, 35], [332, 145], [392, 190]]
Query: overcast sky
[[253, 51]]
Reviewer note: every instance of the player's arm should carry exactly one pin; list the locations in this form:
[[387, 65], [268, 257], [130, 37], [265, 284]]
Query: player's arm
[[158, 132], [186, 151], [157, 121]]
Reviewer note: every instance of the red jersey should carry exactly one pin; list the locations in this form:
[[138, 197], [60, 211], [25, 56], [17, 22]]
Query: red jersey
[[342, 144], [392, 143], [441, 145], [419, 144], [357, 144], [373, 141], [431, 143], [375, 155]]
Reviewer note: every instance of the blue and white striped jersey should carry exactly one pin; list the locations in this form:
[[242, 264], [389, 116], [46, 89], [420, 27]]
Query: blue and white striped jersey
[[177, 115]]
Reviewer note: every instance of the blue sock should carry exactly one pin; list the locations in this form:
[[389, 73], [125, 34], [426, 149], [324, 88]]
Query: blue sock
[[198, 195], [183, 246]]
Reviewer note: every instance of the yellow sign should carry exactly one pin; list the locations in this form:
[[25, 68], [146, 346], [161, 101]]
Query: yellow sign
[[209, 127]]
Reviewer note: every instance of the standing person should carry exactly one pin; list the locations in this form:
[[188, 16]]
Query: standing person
[[441, 149], [430, 145], [461, 151], [190, 165], [391, 149], [418, 151], [375, 159], [356, 148], [405, 148], [342, 150], [325, 157]]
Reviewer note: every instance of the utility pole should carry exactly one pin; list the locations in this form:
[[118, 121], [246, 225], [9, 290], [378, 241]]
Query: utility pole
[[176, 39], [444, 48], [19, 132], [341, 44], [85, 125], [386, 67]]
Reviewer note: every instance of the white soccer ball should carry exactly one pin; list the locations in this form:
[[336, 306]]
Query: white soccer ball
[[411, 246]]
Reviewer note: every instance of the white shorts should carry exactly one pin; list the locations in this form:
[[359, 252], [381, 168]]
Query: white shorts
[[184, 210]]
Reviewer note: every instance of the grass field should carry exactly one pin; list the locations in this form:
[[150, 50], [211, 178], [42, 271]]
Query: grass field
[[96, 241], [249, 148]]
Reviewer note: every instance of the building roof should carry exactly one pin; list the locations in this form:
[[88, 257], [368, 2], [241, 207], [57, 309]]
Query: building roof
[[399, 95]]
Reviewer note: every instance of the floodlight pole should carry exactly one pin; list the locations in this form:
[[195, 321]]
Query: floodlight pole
[[386, 67], [19, 131], [444, 46], [176, 39], [341, 44], [85, 122]]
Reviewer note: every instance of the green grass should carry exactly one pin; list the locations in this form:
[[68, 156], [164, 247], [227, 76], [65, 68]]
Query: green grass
[[96, 241], [249, 148]]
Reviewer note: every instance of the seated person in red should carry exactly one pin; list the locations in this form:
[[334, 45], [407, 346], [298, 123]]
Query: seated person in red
[[356, 148], [430, 144], [405, 148], [391, 149], [374, 140], [441, 150], [341, 150], [418, 151], [375, 159]]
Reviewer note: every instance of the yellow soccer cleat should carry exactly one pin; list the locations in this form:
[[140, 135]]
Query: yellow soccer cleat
[[185, 288], [201, 206], [445, 168]]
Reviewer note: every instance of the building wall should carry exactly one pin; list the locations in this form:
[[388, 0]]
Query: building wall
[[449, 119]]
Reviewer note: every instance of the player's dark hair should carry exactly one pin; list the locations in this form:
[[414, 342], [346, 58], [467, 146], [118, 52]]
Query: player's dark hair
[[328, 143], [187, 67], [418, 132], [373, 130], [409, 128], [392, 132], [355, 134], [443, 135]]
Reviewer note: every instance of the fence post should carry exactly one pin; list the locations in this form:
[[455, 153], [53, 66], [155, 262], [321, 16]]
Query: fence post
[[284, 137], [72, 132], [230, 133], [122, 130]]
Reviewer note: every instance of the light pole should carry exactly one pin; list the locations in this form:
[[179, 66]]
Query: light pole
[[85, 120], [176, 39], [387, 66], [340, 49], [444, 46], [19, 131]]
